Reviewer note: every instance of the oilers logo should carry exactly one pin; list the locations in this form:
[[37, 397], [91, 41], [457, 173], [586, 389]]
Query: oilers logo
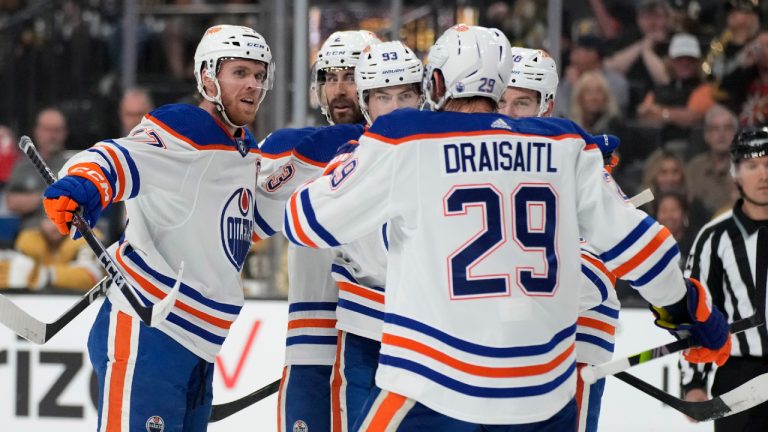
[[236, 226], [155, 424]]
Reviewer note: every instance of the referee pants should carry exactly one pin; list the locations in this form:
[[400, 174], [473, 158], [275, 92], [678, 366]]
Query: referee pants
[[735, 372]]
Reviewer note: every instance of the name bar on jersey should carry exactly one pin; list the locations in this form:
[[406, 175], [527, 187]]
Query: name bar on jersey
[[471, 157]]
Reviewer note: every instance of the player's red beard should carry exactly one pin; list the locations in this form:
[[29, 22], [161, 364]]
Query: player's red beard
[[349, 115], [241, 109]]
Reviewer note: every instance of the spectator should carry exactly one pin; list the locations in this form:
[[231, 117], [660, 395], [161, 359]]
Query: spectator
[[681, 103], [135, 103], [8, 155], [664, 172], [742, 24], [708, 174], [586, 56], [639, 57], [592, 104], [671, 210], [44, 258], [746, 88], [25, 187]]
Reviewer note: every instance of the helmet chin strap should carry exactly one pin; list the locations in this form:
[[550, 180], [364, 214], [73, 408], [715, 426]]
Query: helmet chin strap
[[219, 104]]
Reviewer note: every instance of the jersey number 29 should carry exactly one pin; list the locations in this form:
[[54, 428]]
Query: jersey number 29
[[534, 237]]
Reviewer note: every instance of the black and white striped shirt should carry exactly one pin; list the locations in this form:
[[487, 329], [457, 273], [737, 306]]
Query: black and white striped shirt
[[723, 257]]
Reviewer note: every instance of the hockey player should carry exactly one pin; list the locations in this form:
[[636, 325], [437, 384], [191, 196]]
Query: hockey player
[[186, 174], [290, 157], [531, 93], [388, 77], [467, 340]]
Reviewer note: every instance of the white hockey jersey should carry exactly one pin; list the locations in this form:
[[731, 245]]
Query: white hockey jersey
[[596, 324], [484, 215], [188, 187], [289, 158]]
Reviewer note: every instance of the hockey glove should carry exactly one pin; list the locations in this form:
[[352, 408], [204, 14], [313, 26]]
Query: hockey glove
[[64, 196], [695, 316], [608, 144]]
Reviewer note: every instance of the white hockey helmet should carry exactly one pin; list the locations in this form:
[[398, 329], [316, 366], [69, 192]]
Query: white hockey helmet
[[230, 41], [474, 61], [385, 65], [341, 50], [534, 69]]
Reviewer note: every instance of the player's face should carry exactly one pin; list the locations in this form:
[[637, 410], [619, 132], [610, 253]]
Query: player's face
[[385, 100], [752, 175], [518, 102], [241, 82], [340, 94]]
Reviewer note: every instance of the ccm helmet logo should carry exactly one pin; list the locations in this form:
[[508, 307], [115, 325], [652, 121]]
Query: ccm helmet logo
[[255, 45]]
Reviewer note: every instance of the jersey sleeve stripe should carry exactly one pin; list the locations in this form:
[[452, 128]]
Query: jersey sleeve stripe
[[261, 223], [120, 172], [184, 288], [310, 306], [384, 237], [477, 391], [478, 370], [361, 309], [607, 311], [643, 254], [599, 266], [662, 264], [156, 292], [483, 350], [590, 147], [309, 212], [135, 178], [310, 340], [596, 324], [343, 272], [594, 340], [360, 291], [311, 322], [288, 232], [110, 172], [596, 281], [629, 240], [305, 240]]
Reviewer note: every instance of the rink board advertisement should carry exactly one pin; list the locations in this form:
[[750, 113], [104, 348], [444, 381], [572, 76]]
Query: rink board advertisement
[[52, 387]]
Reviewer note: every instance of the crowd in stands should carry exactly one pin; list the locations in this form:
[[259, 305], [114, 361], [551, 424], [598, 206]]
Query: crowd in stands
[[674, 79]]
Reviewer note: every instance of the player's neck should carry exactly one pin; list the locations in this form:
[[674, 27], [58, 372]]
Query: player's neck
[[211, 109], [470, 105]]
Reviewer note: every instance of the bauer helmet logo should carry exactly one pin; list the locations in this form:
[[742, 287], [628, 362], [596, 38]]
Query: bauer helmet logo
[[461, 27], [155, 424], [236, 226], [213, 30], [300, 426]]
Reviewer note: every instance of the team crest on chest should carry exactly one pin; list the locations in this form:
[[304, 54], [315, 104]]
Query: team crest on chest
[[242, 147], [236, 226]]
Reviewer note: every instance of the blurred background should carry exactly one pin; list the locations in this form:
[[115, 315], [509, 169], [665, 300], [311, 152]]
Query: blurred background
[[673, 79]]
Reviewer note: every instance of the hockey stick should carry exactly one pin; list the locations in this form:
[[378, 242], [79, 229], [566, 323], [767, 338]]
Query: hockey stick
[[151, 315], [590, 374], [743, 397], [39, 332], [222, 411]]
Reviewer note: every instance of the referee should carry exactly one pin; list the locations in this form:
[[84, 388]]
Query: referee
[[723, 257]]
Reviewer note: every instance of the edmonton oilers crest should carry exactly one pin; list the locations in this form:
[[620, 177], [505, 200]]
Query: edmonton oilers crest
[[236, 226]]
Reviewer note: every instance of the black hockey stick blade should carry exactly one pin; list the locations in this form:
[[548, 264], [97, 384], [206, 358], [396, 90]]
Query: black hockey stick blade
[[750, 394], [39, 332], [151, 315], [222, 411]]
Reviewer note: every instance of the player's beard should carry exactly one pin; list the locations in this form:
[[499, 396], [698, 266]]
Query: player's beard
[[349, 116], [239, 113]]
